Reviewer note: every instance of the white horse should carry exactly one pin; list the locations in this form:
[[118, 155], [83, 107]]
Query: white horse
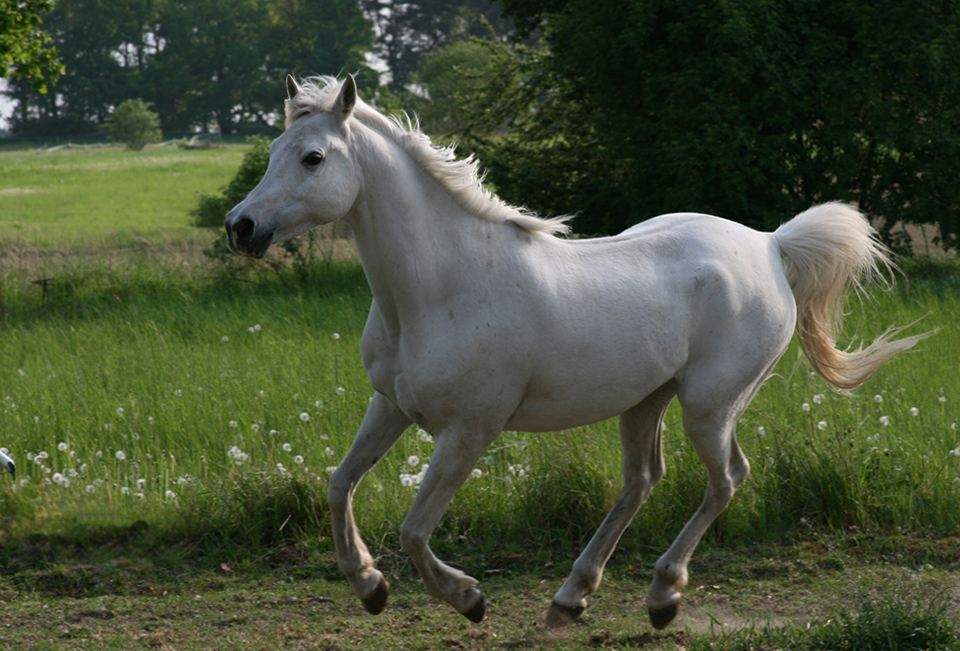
[[484, 321]]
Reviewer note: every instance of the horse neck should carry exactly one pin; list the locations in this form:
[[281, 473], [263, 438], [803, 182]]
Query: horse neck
[[415, 241]]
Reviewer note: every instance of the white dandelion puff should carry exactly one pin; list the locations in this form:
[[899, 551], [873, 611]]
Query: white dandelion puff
[[914, 411], [62, 447], [298, 460], [120, 455], [413, 461], [805, 406], [885, 420], [304, 416], [287, 447]]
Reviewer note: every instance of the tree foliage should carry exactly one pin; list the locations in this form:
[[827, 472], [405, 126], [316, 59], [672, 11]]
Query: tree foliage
[[751, 109], [134, 124], [203, 64], [24, 49]]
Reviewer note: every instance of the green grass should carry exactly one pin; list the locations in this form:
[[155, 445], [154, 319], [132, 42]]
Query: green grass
[[104, 197], [171, 419]]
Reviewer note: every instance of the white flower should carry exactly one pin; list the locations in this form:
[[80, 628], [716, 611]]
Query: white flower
[[125, 490], [878, 398], [884, 420], [805, 406], [413, 461], [318, 404], [336, 336], [328, 452], [942, 399], [255, 427], [225, 338], [233, 423], [331, 469], [406, 480], [119, 411], [304, 416], [476, 473], [822, 425], [120, 455], [170, 495], [424, 436], [287, 447], [298, 459], [914, 411], [341, 391], [141, 484], [818, 399], [761, 431], [57, 477], [91, 488], [62, 447]]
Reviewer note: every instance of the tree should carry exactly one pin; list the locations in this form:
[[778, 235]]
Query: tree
[[755, 109], [134, 124], [23, 45]]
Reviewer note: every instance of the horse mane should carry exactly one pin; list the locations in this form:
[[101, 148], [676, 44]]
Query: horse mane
[[461, 178]]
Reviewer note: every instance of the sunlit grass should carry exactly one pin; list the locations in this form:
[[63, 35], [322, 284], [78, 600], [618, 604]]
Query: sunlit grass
[[143, 392], [106, 197]]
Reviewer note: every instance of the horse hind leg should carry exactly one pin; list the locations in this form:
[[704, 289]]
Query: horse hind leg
[[641, 430], [712, 433]]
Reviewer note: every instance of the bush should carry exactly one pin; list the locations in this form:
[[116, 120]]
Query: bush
[[134, 124], [212, 209]]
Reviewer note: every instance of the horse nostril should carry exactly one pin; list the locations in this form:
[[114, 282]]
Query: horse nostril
[[243, 227]]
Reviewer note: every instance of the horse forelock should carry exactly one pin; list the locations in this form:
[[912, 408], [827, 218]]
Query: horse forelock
[[462, 178]]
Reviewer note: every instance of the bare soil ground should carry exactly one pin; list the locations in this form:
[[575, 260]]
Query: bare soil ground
[[145, 603]]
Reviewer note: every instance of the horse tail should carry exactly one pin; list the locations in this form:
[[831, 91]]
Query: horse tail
[[827, 251]]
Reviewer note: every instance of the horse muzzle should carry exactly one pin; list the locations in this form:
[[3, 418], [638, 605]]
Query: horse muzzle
[[244, 236]]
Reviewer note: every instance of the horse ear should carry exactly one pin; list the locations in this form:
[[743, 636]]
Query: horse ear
[[293, 88], [347, 98]]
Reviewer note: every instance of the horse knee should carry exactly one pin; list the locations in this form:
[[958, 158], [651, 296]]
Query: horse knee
[[338, 493], [412, 541]]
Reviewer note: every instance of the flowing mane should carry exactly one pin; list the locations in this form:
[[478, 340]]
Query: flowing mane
[[461, 178]]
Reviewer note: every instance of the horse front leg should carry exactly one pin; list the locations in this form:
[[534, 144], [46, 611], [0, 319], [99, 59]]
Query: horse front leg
[[452, 460], [381, 428]]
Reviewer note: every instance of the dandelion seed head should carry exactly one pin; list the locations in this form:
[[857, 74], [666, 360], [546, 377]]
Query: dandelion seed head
[[336, 336], [91, 488], [341, 391], [304, 416], [225, 338], [62, 447], [878, 398], [914, 411], [298, 460], [476, 473], [170, 495], [287, 447], [822, 425], [413, 461], [805, 406], [120, 455], [328, 452], [885, 420], [233, 423]]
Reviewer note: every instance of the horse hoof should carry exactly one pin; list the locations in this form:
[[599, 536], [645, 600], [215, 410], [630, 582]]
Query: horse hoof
[[559, 616], [476, 613], [377, 601], [661, 617]]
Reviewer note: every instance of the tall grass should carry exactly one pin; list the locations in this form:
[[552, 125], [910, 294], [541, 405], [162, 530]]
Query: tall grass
[[217, 408], [142, 386]]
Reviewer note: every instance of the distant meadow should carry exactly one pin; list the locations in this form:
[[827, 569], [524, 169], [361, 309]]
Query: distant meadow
[[144, 386]]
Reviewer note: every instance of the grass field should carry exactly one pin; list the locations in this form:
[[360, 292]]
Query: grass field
[[167, 418], [106, 197]]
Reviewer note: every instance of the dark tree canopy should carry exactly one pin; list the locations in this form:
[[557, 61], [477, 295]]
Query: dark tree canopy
[[751, 109]]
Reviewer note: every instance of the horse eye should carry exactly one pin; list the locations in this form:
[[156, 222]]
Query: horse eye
[[313, 159]]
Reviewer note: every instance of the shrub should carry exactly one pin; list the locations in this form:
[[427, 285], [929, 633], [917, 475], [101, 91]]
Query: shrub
[[134, 124]]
